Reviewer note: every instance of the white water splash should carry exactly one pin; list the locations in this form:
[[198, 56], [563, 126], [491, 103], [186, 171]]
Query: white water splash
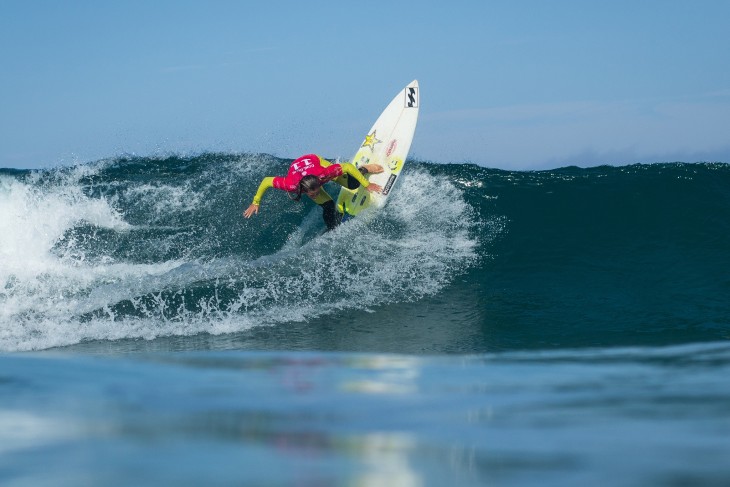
[[411, 248]]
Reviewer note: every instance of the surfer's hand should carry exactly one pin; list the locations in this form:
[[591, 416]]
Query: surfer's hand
[[372, 187], [251, 210]]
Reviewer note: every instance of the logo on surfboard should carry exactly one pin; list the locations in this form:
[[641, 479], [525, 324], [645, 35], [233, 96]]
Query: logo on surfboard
[[412, 97], [371, 141], [389, 184], [391, 147]]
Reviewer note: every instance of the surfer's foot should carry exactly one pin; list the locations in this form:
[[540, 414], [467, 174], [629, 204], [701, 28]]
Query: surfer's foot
[[371, 169]]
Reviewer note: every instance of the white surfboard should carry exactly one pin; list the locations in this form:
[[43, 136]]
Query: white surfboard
[[387, 143]]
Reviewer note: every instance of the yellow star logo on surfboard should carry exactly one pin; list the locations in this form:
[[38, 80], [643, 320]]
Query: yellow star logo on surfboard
[[370, 141]]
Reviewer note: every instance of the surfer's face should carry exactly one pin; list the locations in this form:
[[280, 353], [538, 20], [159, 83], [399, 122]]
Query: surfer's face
[[310, 185]]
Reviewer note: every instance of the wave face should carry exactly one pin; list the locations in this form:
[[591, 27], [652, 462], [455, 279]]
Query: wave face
[[462, 259]]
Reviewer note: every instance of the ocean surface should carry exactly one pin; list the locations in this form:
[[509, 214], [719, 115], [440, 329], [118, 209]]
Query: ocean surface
[[486, 327]]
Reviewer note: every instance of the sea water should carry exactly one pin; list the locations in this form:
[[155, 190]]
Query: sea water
[[563, 327]]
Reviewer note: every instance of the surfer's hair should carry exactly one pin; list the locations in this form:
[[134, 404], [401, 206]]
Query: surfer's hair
[[308, 183]]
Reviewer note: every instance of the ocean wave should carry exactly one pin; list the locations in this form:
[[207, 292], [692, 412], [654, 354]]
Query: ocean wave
[[137, 247]]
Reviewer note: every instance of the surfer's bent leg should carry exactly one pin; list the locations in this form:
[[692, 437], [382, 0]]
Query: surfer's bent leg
[[330, 215]]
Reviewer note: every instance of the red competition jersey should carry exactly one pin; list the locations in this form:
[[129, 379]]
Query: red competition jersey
[[305, 166]]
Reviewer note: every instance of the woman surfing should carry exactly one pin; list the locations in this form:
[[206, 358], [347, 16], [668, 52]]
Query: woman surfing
[[307, 174]]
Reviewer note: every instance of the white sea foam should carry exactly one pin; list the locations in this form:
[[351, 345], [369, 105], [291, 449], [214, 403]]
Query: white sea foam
[[163, 200], [36, 218], [41, 289]]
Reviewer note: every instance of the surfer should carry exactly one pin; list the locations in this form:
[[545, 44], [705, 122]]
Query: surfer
[[307, 174]]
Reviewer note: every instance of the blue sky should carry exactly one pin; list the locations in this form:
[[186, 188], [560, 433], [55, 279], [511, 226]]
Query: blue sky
[[506, 84]]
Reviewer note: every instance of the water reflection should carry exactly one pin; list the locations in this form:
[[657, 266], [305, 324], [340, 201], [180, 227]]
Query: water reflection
[[386, 458], [20, 430]]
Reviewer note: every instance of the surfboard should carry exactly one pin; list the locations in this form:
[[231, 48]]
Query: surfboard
[[387, 143]]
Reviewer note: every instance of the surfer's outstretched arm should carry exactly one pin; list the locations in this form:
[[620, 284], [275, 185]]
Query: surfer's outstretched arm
[[253, 208]]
